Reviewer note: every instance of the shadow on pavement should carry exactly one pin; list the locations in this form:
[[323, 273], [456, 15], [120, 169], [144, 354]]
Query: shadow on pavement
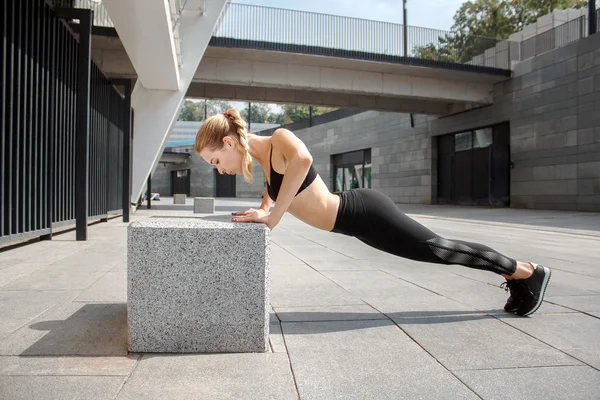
[[94, 330], [323, 322]]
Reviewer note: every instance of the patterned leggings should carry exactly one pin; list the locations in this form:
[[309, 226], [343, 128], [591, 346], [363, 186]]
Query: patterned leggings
[[373, 218]]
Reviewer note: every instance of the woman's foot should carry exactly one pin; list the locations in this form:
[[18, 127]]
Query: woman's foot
[[514, 300], [532, 290]]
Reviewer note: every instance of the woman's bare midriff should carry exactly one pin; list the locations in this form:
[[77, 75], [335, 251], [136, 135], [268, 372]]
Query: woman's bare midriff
[[316, 206]]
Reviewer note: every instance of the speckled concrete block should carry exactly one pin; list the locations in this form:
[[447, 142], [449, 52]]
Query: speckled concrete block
[[179, 198], [204, 205], [197, 286]]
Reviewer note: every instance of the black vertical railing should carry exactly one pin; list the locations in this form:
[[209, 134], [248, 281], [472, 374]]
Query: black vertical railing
[[40, 102], [592, 25]]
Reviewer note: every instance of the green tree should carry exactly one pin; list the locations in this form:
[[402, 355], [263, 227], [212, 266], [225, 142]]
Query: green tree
[[479, 23], [293, 112], [500, 19], [214, 107], [192, 111], [260, 113], [275, 118]]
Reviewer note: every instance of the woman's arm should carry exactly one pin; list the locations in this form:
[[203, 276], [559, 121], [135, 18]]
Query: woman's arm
[[253, 215], [266, 202], [299, 161]]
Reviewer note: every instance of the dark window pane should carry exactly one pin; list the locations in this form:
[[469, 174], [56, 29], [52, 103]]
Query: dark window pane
[[482, 138], [463, 141]]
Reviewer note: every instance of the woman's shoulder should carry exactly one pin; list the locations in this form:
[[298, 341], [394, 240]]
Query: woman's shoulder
[[283, 137], [288, 144], [282, 133]]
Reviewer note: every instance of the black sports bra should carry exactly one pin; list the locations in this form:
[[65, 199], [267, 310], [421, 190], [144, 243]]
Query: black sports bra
[[276, 180]]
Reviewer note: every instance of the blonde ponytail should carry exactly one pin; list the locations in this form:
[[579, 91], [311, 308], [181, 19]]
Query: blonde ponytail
[[215, 128], [240, 127]]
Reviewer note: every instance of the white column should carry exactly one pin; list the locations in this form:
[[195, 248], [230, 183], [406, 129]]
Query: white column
[[157, 110]]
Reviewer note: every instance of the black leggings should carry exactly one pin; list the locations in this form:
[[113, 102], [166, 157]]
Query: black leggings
[[373, 218]]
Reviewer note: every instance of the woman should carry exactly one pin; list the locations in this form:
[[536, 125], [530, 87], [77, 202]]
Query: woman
[[366, 214]]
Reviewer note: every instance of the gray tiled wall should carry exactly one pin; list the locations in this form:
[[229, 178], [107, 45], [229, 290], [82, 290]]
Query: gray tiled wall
[[201, 178], [553, 105], [400, 155]]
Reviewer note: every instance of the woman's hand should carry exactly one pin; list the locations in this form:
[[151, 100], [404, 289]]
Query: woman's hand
[[252, 215]]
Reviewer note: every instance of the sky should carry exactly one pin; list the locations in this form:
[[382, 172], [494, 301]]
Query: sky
[[435, 14]]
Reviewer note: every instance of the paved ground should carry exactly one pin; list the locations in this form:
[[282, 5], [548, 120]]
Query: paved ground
[[348, 321]]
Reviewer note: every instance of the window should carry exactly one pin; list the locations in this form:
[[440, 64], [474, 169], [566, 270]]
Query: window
[[477, 139], [352, 170], [462, 141], [482, 138]]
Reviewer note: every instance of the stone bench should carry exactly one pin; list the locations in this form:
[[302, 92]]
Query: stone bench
[[197, 286], [204, 205], [179, 198]]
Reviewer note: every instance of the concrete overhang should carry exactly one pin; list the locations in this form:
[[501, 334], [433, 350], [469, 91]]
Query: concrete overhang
[[146, 33], [272, 69], [171, 157]]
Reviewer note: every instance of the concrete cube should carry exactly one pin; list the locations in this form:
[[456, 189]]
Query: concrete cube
[[197, 286], [179, 198], [204, 205]]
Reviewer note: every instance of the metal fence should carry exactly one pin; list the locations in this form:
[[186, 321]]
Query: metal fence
[[279, 29], [40, 102], [106, 146], [554, 38]]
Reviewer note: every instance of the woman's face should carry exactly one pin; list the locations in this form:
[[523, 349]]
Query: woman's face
[[227, 160]]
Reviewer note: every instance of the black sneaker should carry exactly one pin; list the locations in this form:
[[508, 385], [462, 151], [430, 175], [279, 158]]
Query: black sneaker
[[533, 289], [512, 304]]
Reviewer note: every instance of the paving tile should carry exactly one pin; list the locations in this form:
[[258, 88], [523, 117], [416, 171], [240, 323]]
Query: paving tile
[[59, 387], [23, 306], [110, 288], [7, 277], [99, 260], [57, 277], [548, 383], [337, 265], [374, 284], [575, 334], [480, 342], [24, 268], [280, 256], [8, 262], [579, 303], [276, 338], [211, 376], [365, 359], [285, 238], [295, 286], [316, 253], [119, 266], [72, 329], [328, 313], [116, 366]]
